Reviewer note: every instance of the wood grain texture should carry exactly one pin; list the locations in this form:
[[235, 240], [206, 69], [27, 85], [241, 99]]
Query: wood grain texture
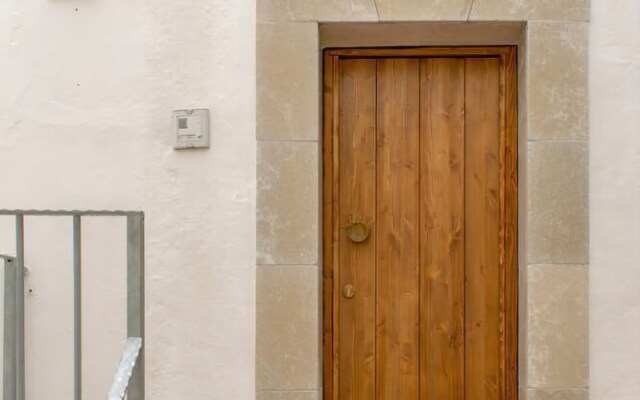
[[335, 227], [482, 231], [442, 229], [397, 234], [417, 202], [423, 52], [357, 191], [327, 227], [329, 223]]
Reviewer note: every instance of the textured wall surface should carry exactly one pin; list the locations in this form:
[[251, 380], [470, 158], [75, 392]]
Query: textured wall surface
[[615, 200], [87, 90]]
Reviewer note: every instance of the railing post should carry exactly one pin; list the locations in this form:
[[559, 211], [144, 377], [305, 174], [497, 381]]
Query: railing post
[[135, 298], [20, 368], [77, 307], [9, 342]]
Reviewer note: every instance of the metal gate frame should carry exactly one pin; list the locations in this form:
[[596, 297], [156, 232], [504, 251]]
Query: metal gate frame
[[14, 366]]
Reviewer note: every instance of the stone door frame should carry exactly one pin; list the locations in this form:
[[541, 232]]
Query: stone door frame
[[553, 177]]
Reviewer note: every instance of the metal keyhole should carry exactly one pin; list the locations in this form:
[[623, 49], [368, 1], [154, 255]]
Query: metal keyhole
[[348, 291]]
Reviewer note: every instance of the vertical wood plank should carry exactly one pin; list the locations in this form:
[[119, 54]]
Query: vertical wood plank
[[397, 233], [357, 187], [483, 328], [327, 228], [442, 229], [335, 255]]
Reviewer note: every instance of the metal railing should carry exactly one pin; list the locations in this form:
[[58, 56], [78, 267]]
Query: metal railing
[[14, 351], [9, 350], [125, 368]]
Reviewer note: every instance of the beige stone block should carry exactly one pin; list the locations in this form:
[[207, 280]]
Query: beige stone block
[[558, 327], [421, 34], [558, 92], [316, 10], [558, 394], [524, 10], [287, 81], [296, 395], [287, 203], [423, 10], [557, 202], [287, 328], [523, 313]]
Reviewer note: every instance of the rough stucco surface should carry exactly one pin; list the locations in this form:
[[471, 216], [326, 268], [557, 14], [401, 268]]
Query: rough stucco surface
[[615, 200], [87, 94]]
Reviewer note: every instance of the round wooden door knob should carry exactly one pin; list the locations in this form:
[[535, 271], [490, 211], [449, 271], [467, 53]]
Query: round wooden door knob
[[348, 291], [358, 232]]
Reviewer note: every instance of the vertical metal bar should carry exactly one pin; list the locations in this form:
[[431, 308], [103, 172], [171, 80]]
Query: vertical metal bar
[[135, 298], [9, 342], [77, 307], [20, 381]]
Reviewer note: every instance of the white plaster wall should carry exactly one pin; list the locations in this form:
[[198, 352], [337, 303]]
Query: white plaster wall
[[615, 200], [86, 91]]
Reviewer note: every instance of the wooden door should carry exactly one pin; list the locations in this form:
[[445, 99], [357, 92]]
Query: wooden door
[[420, 272]]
